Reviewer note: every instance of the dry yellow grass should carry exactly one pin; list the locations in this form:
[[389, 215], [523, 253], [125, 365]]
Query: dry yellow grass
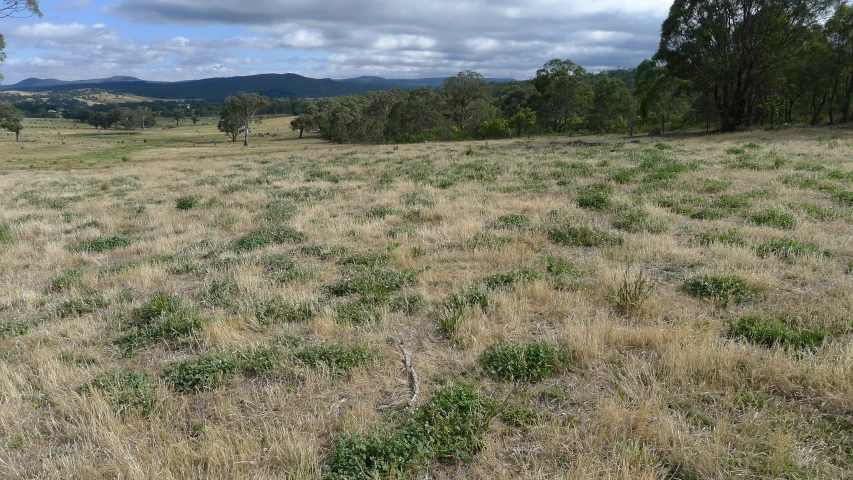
[[661, 392]]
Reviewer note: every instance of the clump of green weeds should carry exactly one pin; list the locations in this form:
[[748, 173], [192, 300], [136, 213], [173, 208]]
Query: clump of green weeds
[[380, 211], [283, 268], [731, 236], [6, 236], [416, 198], [186, 202], [336, 358], [595, 196], [636, 220], [364, 312], [775, 331], [268, 235], [722, 289], [630, 292], [452, 310], [773, 217], [162, 318], [512, 221], [81, 306], [787, 248], [272, 310], [100, 244], [519, 415], [220, 294], [504, 280], [205, 372], [14, 328], [408, 303], [524, 362], [698, 208], [66, 278], [450, 427], [815, 212], [570, 235], [127, 391]]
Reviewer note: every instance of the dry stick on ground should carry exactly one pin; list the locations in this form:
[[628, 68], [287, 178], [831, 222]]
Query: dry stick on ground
[[414, 384]]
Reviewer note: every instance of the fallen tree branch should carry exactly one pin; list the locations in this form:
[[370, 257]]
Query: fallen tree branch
[[414, 383]]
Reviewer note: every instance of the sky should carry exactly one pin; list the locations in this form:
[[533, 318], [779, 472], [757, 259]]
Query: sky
[[171, 40]]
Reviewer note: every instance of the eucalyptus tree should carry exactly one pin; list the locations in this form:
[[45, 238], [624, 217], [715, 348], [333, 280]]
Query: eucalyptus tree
[[238, 113], [565, 87], [16, 9]]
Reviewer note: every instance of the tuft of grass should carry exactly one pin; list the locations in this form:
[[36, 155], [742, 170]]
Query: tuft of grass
[[595, 196], [844, 197], [525, 362], [409, 303], [512, 221], [636, 220], [264, 236], [624, 176], [487, 240], [519, 415], [775, 331], [66, 278], [278, 212], [100, 244], [258, 360], [162, 318], [451, 311], [773, 217], [81, 306], [270, 311], [372, 282], [365, 312], [413, 199], [581, 236], [6, 233], [186, 202], [221, 294], [697, 208], [631, 292], [336, 358], [127, 391], [380, 211], [365, 259], [450, 427], [504, 280], [815, 212], [205, 372], [787, 248], [731, 236], [722, 289], [283, 268]]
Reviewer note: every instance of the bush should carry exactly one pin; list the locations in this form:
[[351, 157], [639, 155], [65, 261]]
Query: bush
[[186, 202], [494, 129], [775, 332], [531, 362], [721, 289], [594, 197], [205, 372], [583, 236], [503, 280], [788, 249], [338, 359], [773, 217], [127, 391], [100, 244]]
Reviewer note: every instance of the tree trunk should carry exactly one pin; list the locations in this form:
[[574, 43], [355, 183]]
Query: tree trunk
[[246, 136], [300, 132], [17, 134]]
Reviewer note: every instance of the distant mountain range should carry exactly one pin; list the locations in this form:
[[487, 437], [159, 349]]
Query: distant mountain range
[[216, 89]]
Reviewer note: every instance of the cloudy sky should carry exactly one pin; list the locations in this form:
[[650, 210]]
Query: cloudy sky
[[189, 39]]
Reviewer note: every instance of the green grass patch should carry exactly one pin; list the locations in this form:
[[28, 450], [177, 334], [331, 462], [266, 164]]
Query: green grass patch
[[569, 235], [6, 236], [512, 221], [335, 358], [775, 332], [162, 318], [220, 294], [81, 306], [525, 363], [731, 236], [815, 212], [449, 428], [380, 211], [695, 207], [268, 235], [635, 220], [127, 391], [505, 280], [595, 196], [272, 310], [452, 309], [408, 303], [205, 372], [186, 202], [14, 328], [787, 248], [844, 197], [773, 217], [100, 244], [373, 282], [722, 289], [66, 278]]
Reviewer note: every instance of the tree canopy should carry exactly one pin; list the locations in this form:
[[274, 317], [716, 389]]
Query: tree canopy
[[16, 8]]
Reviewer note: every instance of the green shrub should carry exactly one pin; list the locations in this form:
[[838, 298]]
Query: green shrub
[[583, 236], [14, 328], [275, 310], [624, 175], [530, 362], [731, 237], [187, 202], [205, 372], [560, 266], [788, 249], [81, 306], [636, 220], [127, 391], [512, 221], [773, 217], [720, 289], [775, 332], [336, 358], [409, 303], [100, 244], [504, 280]]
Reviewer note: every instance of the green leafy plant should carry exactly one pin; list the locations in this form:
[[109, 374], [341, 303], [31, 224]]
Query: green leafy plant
[[186, 202], [274, 310], [636, 220], [721, 289], [336, 358], [205, 372], [14, 328], [504, 280], [594, 197], [528, 362], [773, 217], [100, 244], [162, 318], [452, 310], [512, 221], [581, 236], [787, 248], [731, 237], [128, 391], [775, 331]]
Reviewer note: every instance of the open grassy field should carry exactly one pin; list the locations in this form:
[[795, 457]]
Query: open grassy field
[[174, 305]]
